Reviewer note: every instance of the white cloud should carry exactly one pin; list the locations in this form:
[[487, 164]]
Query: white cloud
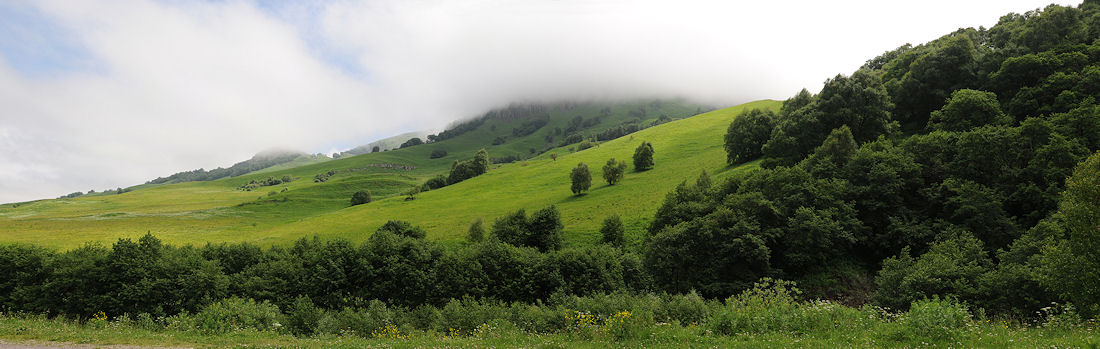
[[182, 85]]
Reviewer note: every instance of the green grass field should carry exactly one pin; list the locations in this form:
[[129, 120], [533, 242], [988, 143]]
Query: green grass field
[[216, 211], [37, 330]]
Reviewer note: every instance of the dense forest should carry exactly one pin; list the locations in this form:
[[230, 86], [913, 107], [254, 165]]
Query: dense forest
[[965, 168]]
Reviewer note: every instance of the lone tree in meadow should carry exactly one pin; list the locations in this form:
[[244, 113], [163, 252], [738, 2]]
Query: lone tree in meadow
[[643, 157], [614, 171], [582, 179], [360, 197]]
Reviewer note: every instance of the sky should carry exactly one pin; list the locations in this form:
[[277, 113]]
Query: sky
[[105, 94]]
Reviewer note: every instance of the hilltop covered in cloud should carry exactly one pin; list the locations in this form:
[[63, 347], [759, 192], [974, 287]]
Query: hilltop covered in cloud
[[108, 94]]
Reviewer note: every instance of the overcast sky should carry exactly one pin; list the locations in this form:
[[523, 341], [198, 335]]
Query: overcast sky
[[105, 94]]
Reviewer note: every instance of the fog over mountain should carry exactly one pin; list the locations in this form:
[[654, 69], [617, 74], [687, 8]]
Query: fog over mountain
[[103, 94]]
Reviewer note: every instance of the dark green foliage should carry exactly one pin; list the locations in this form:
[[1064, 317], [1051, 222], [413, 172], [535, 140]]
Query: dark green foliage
[[643, 157], [614, 171], [506, 160], [571, 139], [977, 208], [1072, 269], [402, 228], [438, 153], [619, 131], [436, 182], [460, 171], [967, 109], [375, 149], [235, 314], [529, 127], [323, 176], [499, 141], [480, 163], [581, 179], [541, 231], [302, 317], [463, 170], [612, 231], [476, 233], [948, 65], [360, 197], [747, 134], [859, 102], [258, 162], [833, 154], [270, 181], [411, 142], [953, 267], [586, 144], [461, 128]]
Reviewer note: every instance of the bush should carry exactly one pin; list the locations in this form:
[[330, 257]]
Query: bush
[[772, 306], [411, 142], [362, 321], [438, 153], [236, 314], [436, 182], [403, 228], [585, 145], [360, 197], [936, 319], [302, 317]]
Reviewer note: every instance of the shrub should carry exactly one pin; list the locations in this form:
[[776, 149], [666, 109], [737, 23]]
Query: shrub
[[436, 182], [361, 321], [772, 306], [411, 142], [360, 197], [937, 319], [236, 314], [302, 317], [585, 145], [686, 309], [403, 228], [438, 153]]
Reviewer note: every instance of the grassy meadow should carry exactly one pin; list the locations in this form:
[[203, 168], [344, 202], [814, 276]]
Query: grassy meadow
[[216, 211]]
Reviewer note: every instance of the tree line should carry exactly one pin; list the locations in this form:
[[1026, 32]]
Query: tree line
[[934, 170]]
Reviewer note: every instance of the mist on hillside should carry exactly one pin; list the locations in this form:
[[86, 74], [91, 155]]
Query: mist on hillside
[[108, 94]]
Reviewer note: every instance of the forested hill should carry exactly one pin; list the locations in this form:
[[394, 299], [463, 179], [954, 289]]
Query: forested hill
[[934, 170]]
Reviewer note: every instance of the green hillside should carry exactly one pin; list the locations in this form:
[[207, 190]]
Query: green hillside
[[199, 212]]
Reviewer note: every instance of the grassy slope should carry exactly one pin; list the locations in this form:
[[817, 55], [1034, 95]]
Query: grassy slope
[[198, 212], [683, 148]]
